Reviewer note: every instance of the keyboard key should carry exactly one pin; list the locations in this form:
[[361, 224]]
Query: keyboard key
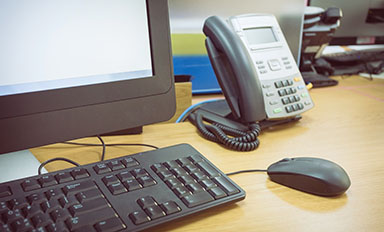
[[229, 188], [30, 184], [79, 173], [173, 183], [197, 199], [12, 215], [145, 202], [21, 225], [78, 187], [217, 193], [159, 168], [195, 158], [49, 205], [101, 168], [53, 193], [132, 185], [178, 171], [88, 195], [186, 179], [115, 165], [66, 201], [170, 207], [88, 206], [63, 177], [117, 188], [184, 161], [36, 198], [207, 184], [17, 203], [90, 218], [194, 187], [154, 212], [138, 172], [171, 164], [181, 191], [129, 162], [123, 176], [139, 217], [31, 210], [5, 191], [109, 225], [208, 169], [199, 175], [40, 219], [46, 181], [146, 181], [191, 168], [59, 214], [110, 179], [165, 175], [57, 227]]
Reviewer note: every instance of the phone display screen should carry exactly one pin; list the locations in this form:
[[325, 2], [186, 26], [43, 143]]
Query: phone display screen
[[260, 35]]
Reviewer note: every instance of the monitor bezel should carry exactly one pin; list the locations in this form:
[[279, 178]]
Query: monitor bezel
[[45, 117]]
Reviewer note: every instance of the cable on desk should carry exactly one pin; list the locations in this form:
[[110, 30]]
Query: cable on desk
[[103, 144], [56, 159], [112, 145], [246, 171]]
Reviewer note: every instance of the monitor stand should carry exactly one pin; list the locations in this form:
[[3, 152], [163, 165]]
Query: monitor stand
[[16, 165]]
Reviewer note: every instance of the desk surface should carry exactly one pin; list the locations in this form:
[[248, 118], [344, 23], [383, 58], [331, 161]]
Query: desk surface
[[345, 126]]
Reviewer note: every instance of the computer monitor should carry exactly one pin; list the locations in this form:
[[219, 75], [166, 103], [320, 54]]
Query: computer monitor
[[362, 21], [77, 68]]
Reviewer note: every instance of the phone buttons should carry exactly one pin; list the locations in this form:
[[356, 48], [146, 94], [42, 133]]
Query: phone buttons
[[266, 86], [273, 103], [277, 110], [274, 65], [278, 84], [289, 109]]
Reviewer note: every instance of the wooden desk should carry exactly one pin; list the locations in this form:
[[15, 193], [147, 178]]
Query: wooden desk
[[345, 126]]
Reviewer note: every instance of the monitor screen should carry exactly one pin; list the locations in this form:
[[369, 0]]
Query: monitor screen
[[49, 46], [76, 68]]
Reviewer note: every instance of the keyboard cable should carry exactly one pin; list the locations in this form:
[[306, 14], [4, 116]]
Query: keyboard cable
[[103, 144]]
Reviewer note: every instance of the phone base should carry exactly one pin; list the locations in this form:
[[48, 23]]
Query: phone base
[[219, 112]]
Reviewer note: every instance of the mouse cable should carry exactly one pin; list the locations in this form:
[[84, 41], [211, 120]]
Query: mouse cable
[[245, 171], [56, 159]]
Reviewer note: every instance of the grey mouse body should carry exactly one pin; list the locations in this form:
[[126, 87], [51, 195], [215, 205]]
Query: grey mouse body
[[313, 175]]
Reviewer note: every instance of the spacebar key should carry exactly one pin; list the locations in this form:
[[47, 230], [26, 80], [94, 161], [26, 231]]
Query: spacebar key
[[197, 199]]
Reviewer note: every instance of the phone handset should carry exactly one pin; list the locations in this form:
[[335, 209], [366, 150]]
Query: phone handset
[[238, 80], [234, 70]]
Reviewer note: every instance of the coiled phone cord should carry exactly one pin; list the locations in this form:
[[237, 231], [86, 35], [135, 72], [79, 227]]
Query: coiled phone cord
[[241, 141]]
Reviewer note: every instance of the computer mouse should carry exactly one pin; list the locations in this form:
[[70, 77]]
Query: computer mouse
[[312, 175]]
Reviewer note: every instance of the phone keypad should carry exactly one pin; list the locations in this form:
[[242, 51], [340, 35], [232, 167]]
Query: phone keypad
[[286, 97]]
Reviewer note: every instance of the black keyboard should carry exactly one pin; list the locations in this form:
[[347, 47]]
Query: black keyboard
[[130, 193], [355, 56]]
